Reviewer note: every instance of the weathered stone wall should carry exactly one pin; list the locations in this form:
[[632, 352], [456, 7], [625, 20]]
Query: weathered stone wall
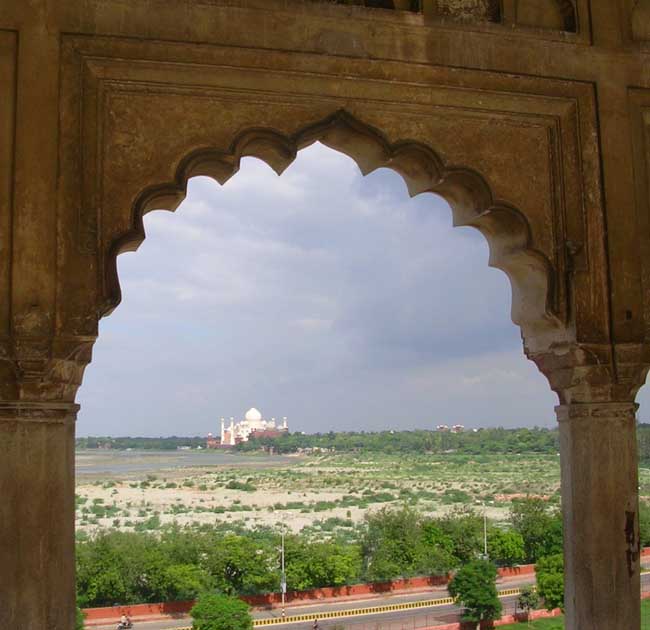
[[531, 117]]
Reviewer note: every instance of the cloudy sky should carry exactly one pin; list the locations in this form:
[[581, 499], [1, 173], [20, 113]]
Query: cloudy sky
[[320, 295]]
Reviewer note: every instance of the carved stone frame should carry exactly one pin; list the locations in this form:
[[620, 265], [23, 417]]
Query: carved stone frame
[[538, 209]]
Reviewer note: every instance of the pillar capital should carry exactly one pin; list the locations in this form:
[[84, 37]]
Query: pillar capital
[[42, 370], [581, 373]]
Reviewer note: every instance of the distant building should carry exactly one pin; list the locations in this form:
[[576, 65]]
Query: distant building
[[251, 427], [457, 428]]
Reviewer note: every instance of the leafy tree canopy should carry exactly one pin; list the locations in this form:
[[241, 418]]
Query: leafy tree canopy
[[220, 612], [550, 581], [475, 587]]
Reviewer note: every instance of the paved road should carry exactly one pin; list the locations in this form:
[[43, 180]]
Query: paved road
[[432, 615]]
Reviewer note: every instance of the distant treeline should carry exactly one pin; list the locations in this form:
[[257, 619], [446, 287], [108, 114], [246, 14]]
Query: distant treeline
[[536, 440], [141, 443], [469, 442]]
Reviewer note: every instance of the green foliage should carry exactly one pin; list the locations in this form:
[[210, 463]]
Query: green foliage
[[398, 543], [475, 587], [174, 563], [644, 523], [79, 619], [550, 581], [464, 527], [238, 485], [470, 443], [184, 581], [528, 599], [220, 612], [243, 564], [505, 547], [316, 564], [540, 528]]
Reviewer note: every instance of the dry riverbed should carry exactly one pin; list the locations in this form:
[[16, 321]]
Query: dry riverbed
[[144, 490]]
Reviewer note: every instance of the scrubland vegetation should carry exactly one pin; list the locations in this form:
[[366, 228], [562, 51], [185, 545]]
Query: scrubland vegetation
[[177, 563], [351, 516]]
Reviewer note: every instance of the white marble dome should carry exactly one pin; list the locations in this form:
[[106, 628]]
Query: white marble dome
[[253, 415]]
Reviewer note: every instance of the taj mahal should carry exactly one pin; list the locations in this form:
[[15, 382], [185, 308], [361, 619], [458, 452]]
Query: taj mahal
[[252, 426]]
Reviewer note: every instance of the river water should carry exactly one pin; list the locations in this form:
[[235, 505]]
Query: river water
[[125, 463]]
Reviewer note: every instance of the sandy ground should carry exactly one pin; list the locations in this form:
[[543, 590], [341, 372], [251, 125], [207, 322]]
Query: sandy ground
[[198, 494]]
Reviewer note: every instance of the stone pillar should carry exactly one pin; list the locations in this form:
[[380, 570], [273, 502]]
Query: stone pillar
[[600, 506], [37, 576]]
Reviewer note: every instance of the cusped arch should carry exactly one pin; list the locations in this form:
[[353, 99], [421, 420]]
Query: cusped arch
[[505, 228], [559, 15]]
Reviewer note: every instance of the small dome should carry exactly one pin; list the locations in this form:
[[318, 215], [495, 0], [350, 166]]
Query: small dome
[[253, 415]]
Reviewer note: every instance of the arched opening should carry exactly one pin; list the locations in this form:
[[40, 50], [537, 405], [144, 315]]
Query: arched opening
[[412, 314]]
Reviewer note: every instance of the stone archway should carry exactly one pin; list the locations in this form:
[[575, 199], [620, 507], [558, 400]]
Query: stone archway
[[110, 108]]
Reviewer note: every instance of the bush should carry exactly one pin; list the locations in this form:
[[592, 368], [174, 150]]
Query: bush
[[528, 600], [550, 581], [79, 620], [475, 586], [220, 612], [238, 485], [505, 548]]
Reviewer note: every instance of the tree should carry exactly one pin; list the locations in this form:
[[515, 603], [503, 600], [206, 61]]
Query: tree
[[539, 527], [505, 547], [186, 581], [240, 565], [528, 600], [475, 587], [550, 581], [465, 529], [316, 564], [220, 612], [396, 543]]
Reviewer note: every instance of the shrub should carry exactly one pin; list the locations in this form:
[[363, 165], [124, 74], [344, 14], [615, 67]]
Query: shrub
[[550, 581], [528, 600], [506, 548], [475, 586], [220, 612]]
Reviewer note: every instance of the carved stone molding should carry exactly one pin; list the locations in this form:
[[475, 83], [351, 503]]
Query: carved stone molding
[[47, 413], [537, 204], [608, 412]]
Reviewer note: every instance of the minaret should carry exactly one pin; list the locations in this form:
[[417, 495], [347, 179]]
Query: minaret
[[223, 430], [284, 423], [232, 432]]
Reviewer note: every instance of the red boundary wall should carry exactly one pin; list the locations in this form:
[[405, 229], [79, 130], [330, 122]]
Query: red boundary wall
[[99, 616]]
